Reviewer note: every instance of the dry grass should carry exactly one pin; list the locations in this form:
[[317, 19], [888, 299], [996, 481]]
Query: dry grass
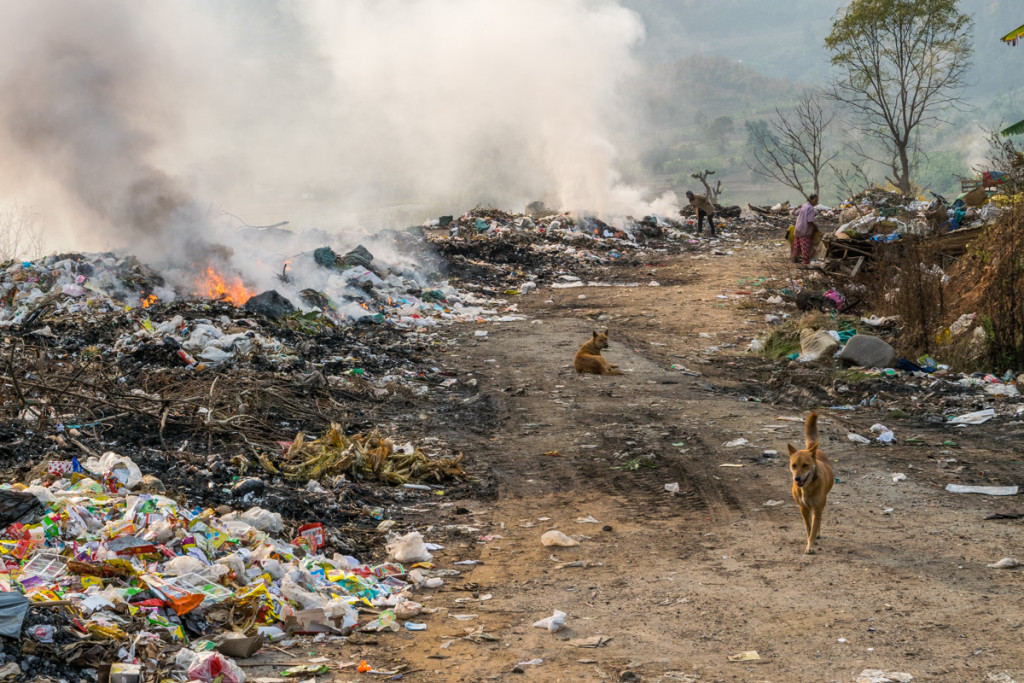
[[910, 285], [990, 281]]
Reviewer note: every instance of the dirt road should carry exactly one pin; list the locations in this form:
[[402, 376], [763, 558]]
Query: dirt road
[[678, 582]]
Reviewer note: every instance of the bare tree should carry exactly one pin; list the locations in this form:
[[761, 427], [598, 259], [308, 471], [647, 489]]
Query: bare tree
[[711, 192], [852, 180], [900, 64], [20, 233], [791, 147]]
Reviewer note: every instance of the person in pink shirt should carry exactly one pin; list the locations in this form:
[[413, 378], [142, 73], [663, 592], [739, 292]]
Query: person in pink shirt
[[804, 231]]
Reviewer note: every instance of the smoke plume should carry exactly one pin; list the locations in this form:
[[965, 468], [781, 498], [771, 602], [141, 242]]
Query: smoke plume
[[150, 126]]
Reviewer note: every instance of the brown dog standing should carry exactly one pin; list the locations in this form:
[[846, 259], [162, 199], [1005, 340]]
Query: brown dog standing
[[812, 480], [589, 358]]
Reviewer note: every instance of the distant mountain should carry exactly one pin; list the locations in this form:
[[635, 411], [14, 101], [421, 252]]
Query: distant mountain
[[712, 86]]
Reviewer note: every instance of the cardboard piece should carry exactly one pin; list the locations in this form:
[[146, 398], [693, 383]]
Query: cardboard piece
[[745, 656], [309, 621], [125, 673], [241, 647], [593, 641]]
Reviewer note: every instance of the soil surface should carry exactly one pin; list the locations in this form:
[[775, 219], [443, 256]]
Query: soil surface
[[671, 584]]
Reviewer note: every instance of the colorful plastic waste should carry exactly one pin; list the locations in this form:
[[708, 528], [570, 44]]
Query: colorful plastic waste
[[133, 562]]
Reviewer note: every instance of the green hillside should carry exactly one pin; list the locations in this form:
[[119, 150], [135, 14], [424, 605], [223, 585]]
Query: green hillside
[[740, 59]]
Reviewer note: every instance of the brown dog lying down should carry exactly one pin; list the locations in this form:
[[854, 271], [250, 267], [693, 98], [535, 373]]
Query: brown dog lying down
[[589, 358], [812, 480]]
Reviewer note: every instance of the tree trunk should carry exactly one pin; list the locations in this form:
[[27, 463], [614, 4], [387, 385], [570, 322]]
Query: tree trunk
[[904, 176]]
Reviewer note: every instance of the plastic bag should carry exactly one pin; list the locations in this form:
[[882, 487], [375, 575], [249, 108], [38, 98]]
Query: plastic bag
[[202, 335], [159, 531], [42, 493], [271, 633], [555, 537], [184, 658], [293, 587], [409, 548], [183, 564], [13, 607], [407, 609], [15, 505], [417, 578], [556, 622], [213, 572], [264, 520], [122, 467], [233, 562], [274, 568], [237, 528], [206, 666], [340, 607]]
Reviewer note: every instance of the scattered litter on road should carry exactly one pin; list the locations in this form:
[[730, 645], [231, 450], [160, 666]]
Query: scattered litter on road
[[1005, 563], [985, 490], [518, 668], [879, 676], [975, 418], [557, 538], [591, 642], [885, 435], [556, 622], [745, 656]]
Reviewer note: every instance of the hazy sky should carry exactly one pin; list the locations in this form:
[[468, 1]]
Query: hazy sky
[[142, 121], [133, 120]]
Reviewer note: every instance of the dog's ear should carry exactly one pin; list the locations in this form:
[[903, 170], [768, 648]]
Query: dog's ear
[[791, 449], [606, 331], [594, 332]]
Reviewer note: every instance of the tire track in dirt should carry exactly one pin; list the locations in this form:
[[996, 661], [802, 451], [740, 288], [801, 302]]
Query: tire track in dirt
[[614, 436]]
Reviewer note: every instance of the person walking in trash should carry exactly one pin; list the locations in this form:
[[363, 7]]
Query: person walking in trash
[[803, 232], [702, 207]]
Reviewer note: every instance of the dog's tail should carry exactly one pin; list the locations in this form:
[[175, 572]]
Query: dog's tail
[[811, 430]]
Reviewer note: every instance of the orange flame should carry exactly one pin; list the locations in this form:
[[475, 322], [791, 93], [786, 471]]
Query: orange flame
[[214, 285], [148, 301]]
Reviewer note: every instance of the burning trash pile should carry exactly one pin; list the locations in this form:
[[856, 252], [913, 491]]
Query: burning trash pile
[[319, 287], [517, 253], [101, 577], [239, 410], [263, 411]]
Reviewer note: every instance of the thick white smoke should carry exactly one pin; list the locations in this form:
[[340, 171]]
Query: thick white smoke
[[140, 124]]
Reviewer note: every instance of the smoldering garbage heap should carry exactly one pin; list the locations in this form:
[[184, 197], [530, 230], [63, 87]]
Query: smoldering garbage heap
[[202, 394], [279, 405], [502, 252]]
